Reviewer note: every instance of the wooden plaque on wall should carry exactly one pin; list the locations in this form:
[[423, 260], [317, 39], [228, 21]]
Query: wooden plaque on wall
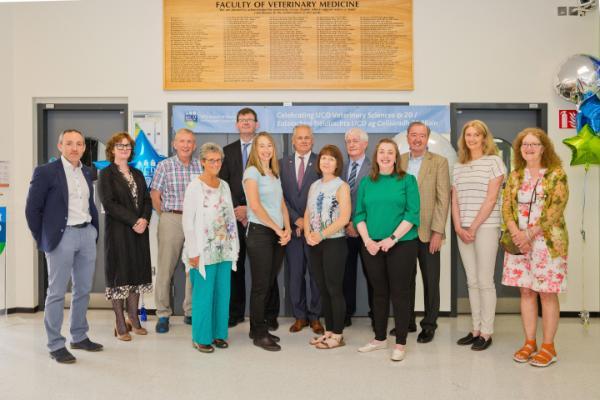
[[336, 45]]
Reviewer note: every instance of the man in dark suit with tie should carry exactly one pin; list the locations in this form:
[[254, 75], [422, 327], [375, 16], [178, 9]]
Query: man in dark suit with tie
[[234, 164], [63, 220], [358, 167], [297, 174]]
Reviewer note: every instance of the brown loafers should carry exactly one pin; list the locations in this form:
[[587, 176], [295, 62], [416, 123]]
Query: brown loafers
[[316, 327], [298, 325]]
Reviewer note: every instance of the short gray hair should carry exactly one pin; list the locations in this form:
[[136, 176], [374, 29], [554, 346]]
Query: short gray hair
[[184, 131], [62, 134], [210, 147], [362, 134], [302, 126]]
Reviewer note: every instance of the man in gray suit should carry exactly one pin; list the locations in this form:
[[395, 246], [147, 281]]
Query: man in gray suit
[[358, 167], [297, 174]]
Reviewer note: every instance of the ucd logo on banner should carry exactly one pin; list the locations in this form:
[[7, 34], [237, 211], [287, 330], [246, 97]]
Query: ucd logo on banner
[[2, 228]]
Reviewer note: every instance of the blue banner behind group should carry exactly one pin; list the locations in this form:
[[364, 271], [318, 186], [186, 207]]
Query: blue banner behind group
[[381, 119]]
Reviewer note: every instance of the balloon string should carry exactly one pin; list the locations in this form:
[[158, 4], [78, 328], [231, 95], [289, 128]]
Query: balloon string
[[582, 232]]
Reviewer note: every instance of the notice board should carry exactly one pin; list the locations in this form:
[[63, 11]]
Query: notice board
[[335, 45]]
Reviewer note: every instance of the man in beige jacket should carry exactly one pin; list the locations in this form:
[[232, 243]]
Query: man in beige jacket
[[433, 177]]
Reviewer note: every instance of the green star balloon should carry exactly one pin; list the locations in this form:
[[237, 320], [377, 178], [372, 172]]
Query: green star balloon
[[585, 147]]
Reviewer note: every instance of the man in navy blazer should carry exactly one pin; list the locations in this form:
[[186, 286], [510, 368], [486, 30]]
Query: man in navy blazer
[[358, 167], [63, 220], [297, 174]]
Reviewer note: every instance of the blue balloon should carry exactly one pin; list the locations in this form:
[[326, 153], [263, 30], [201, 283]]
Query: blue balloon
[[589, 114], [145, 158], [101, 164]]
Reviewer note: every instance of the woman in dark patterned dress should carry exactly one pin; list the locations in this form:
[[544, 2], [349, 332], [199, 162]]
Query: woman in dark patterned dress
[[128, 209]]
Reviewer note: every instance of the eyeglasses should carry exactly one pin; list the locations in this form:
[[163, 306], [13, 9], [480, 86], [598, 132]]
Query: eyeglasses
[[213, 160], [122, 146], [246, 120], [532, 145], [353, 141]]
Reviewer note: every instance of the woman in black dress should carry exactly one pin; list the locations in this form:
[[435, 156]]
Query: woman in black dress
[[128, 208]]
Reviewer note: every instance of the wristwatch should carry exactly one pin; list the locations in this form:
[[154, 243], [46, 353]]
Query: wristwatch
[[394, 238]]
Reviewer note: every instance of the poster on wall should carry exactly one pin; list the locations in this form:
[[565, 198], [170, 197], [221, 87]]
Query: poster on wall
[[340, 45], [4, 174], [2, 260], [151, 123], [2, 229], [324, 119]]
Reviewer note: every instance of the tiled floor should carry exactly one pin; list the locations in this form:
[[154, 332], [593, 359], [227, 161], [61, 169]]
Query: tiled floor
[[167, 367]]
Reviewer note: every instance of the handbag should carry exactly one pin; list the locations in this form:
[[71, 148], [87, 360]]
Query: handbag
[[506, 239]]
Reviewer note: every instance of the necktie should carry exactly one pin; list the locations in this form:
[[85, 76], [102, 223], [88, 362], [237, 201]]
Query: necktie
[[245, 153], [301, 172], [352, 178]]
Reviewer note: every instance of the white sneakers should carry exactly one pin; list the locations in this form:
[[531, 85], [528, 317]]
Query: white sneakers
[[372, 346], [397, 354]]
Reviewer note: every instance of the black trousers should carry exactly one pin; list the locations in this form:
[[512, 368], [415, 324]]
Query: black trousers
[[327, 264], [350, 273], [390, 274], [266, 257], [430, 272], [237, 301]]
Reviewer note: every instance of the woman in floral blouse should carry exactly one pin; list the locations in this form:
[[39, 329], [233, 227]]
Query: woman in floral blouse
[[210, 251], [327, 213], [533, 207]]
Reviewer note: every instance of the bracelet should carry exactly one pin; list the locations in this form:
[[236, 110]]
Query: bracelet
[[321, 234]]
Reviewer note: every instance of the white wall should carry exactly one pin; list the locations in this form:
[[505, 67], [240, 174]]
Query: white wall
[[464, 51], [6, 135]]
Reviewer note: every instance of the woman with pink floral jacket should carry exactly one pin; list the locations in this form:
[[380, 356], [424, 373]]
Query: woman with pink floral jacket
[[533, 207]]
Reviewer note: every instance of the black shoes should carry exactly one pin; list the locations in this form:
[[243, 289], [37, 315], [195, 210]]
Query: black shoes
[[478, 343], [233, 321], [466, 340], [62, 356], [203, 348], [347, 321], [274, 338], [481, 344], [187, 320], [426, 336], [220, 344], [266, 343], [272, 324], [87, 345]]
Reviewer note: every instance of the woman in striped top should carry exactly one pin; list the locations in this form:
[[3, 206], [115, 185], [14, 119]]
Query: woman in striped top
[[477, 180]]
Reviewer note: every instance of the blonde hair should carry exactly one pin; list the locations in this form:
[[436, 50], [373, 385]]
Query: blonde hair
[[254, 160], [549, 160], [489, 146]]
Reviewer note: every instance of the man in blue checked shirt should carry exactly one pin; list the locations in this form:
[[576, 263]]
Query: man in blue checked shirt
[[167, 190]]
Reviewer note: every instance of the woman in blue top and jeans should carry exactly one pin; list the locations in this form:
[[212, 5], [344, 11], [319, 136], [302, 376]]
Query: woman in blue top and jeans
[[267, 233]]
